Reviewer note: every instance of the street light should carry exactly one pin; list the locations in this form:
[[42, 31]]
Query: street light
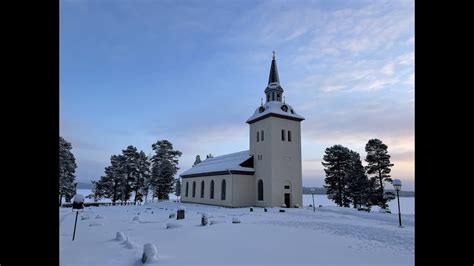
[[397, 184], [312, 192]]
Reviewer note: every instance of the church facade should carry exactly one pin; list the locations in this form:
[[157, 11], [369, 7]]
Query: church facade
[[269, 174]]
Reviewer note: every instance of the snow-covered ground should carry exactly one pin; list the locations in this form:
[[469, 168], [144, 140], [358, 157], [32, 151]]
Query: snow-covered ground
[[329, 236]]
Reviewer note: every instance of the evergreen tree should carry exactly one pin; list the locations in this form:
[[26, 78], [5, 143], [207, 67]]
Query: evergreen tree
[[378, 166], [142, 182], [337, 162], [177, 188], [67, 169], [198, 160], [130, 167], [359, 187], [166, 180], [164, 168]]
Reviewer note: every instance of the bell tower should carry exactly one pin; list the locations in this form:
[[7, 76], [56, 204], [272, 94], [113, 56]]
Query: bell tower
[[275, 143]]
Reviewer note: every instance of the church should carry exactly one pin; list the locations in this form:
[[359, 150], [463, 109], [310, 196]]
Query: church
[[269, 174]]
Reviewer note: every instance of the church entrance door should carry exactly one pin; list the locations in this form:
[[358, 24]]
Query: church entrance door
[[287, 200]]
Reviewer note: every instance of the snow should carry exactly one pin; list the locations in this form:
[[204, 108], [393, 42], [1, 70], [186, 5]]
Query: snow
[[221, 163], [120, 236], [78, 198], [274, 107], [330, 235], [150, 252]]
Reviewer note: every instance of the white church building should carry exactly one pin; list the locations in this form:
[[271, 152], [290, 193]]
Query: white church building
[[269, 174]]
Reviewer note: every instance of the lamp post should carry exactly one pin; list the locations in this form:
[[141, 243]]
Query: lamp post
[[397, 184], [312, 193]]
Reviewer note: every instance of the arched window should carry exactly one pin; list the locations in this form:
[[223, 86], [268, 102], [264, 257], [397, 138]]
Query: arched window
[[194, 189], [289, 135], [258, 136], [202, 189], [187, 188], [212, 189], [260, 190], [262, 135], [223, 190]]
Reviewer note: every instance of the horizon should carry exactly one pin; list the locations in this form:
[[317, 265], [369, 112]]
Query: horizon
[[132, 73]]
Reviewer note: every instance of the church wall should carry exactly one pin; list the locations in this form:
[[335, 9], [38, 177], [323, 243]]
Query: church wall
[[239, 191], [262, 166], [286, 162]]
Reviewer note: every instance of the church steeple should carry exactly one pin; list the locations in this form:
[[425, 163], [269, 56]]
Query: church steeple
[[274, 91]]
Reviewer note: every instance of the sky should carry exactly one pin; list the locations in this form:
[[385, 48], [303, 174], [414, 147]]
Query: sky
[[192, 72]]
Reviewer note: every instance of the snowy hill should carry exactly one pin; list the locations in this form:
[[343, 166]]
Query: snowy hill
[[331, 235]]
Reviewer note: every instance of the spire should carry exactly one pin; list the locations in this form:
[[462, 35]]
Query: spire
[[273, 91], [273, 77]]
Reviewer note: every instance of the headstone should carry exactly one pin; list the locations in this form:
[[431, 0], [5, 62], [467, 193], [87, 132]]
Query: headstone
[[204, 219], [180, 214], [251, 209], [149, 253], [265, 210], [120, 236], [172, 215], [282, 210]]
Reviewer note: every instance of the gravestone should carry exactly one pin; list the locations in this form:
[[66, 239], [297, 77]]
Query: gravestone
[[180, 214]]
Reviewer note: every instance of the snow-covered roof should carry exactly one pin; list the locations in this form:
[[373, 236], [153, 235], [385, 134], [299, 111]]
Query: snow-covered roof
[[221, 165], [275, 108]]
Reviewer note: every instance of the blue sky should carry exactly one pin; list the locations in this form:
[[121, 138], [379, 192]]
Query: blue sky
[[192, 72]]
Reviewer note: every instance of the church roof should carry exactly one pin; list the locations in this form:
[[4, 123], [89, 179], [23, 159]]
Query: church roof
[[274, 108], [222, 165]]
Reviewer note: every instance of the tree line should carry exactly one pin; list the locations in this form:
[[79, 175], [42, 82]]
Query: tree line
[[131, 172], [349, 182]]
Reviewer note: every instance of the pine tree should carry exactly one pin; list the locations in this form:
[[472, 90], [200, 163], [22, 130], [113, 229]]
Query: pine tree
[[198, 160], [166, 180], [378, 166], [164, 167], [130, 167], [67, 169], [177, 188], [359, 187], [337, 163], [141, 185]]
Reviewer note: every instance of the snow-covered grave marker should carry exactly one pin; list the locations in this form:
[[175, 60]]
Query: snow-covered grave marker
[[204, 219], [149, 253], [78, 203], [180, 213]]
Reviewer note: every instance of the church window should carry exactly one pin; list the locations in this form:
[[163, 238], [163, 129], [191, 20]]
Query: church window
[[223, 190], [268, 97], [262, 135], [187, 186], [283, 135], [287, 187], [258, 136], [260, 190], [289, 135], [202, 189], [212, 189], [278, 97], [273, 96], [194, 189]]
